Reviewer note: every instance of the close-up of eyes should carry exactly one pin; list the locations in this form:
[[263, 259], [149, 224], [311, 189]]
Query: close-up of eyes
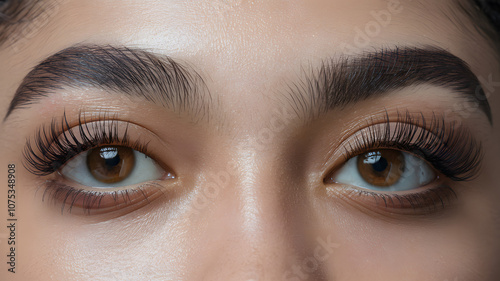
[[396, 156], [343, 140]]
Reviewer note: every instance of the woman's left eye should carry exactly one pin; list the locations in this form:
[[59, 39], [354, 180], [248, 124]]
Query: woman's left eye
[[112, 166], [385, 170]]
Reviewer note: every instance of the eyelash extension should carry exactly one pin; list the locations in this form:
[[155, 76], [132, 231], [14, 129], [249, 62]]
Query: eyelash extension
[[57, 143], [433, 199], [448, 147]]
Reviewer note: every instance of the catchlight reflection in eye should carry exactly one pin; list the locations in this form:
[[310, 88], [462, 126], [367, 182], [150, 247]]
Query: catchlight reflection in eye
[[112, 166], [385, 170]]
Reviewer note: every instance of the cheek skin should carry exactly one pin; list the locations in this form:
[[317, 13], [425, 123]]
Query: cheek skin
[[375, 249]]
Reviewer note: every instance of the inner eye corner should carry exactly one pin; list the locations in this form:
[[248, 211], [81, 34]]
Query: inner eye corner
[[328, 175]]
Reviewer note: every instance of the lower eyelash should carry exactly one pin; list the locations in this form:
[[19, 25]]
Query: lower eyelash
[[449, 148], [57, 143], [89, 200], [419, 203], [433, 198]]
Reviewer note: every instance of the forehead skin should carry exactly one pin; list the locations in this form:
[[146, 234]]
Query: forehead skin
[[247, 50]]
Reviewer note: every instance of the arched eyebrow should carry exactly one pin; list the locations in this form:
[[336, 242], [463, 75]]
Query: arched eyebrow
[[346, 80], [161, 80], [132, 72]]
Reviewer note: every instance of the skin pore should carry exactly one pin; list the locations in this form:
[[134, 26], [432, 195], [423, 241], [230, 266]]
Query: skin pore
[[251, 152]]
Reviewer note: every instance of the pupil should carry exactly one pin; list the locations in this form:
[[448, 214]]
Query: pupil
[[381, 168], [110, 156], [380, 165], [111, 164]]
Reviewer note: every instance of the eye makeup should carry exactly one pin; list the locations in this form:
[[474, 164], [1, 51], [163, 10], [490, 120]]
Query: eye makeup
[[55, 146], [447, 147]]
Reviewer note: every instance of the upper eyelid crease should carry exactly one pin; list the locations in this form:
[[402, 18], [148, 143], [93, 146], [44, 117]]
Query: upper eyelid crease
[[57, 143]]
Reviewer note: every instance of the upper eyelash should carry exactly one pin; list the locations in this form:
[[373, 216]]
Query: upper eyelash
[[451, 150], [57, 143], [449, 147]]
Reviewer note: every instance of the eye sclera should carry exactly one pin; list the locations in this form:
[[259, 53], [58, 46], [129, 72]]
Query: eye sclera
[[381, 135], [415, 172], [61, 141], [78, 198], [448, 146]]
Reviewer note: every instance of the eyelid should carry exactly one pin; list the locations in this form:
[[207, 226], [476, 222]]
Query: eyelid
[[55, 144], [433, 138], [389, 128], [79, 200], [353, 147], [62, 140]]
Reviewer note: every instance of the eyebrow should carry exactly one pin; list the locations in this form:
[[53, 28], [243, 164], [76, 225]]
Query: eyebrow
[[349, 79], [133, 72], [161, 80]]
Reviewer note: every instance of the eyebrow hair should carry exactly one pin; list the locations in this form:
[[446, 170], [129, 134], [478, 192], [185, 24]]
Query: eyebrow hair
[[133, 72], [21, 18], [350, 79]]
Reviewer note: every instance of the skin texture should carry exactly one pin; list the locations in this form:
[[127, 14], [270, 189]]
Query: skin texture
[[264, 221]]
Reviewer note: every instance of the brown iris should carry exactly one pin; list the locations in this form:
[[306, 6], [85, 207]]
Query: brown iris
[[381, 167], [111, 164]]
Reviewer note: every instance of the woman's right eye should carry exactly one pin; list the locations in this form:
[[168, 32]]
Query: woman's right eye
[[113, 166]]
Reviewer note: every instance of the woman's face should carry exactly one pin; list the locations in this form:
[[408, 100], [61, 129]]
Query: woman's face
[[285, 140]]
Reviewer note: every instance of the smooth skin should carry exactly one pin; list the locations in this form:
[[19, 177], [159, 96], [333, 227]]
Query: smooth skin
[[273, 218]]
